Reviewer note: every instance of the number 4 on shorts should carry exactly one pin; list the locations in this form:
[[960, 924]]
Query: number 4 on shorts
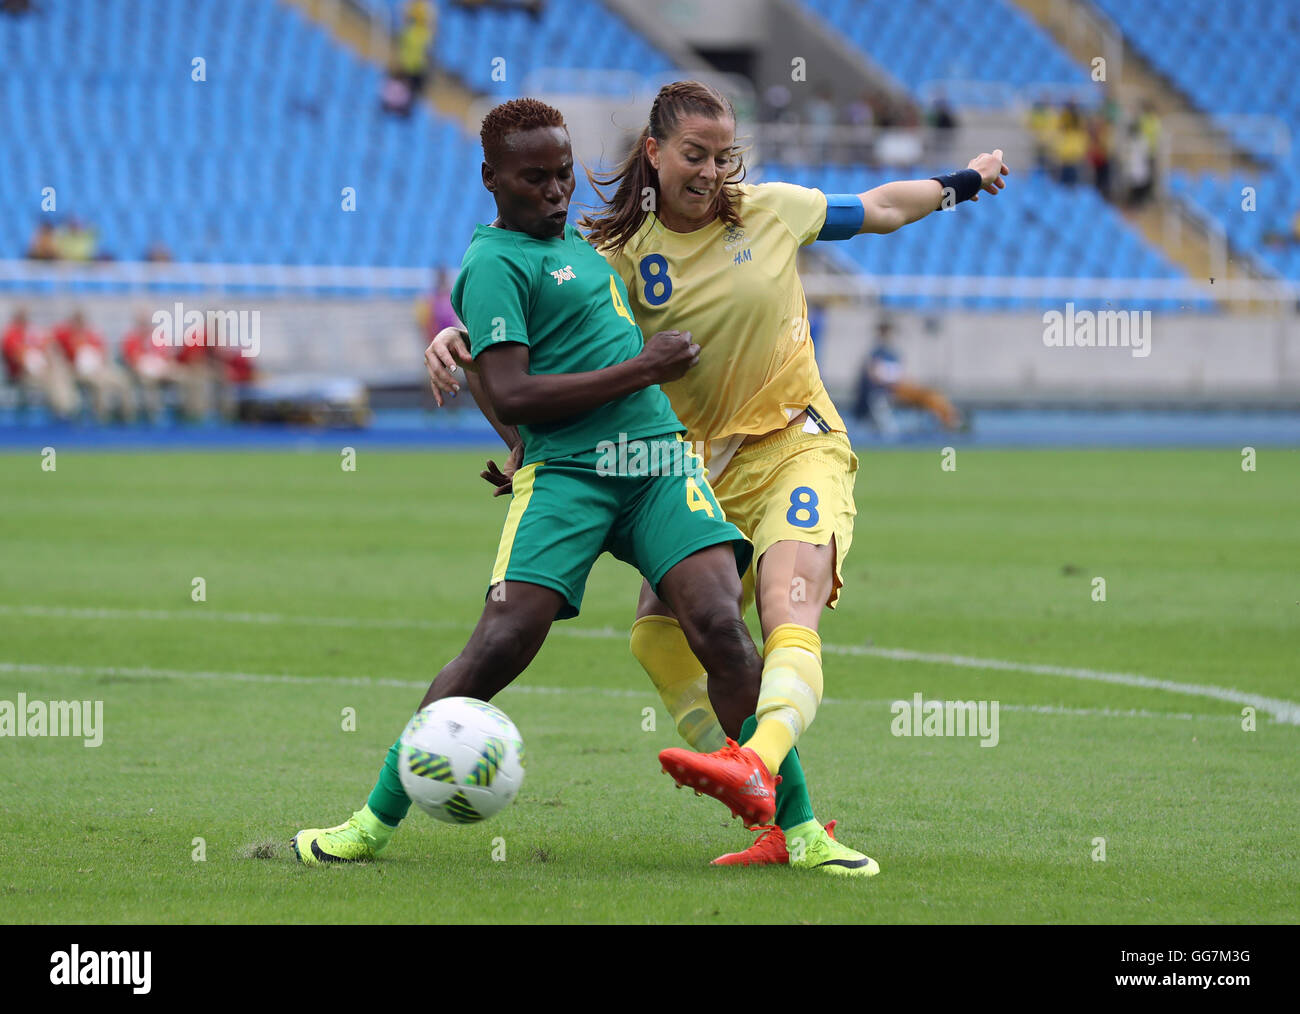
[[695, 498]]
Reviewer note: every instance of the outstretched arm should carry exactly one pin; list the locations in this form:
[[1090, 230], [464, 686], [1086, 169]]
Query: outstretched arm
[[891, 206]]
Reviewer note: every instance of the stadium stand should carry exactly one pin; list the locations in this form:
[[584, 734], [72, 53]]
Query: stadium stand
[[1267, 234], [565, 34], [248, 165], [1041, 228], [1214, 54], [1229, 59], [925, 41]]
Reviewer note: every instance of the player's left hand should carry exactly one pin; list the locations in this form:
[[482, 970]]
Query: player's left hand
[[503, 479], [991, 169]]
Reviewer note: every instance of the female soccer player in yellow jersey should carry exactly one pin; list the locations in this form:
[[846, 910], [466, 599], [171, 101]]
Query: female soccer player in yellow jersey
[[716, 257]]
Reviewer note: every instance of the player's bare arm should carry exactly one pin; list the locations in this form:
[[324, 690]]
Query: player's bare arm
[[891, 206], [518, 396], [500, 477]]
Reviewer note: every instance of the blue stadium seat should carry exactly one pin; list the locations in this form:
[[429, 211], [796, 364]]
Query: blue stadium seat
[[1230, 59], [246, 166], [925, 41]]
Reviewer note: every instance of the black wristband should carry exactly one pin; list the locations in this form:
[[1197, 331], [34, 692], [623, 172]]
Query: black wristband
[[959, 186]]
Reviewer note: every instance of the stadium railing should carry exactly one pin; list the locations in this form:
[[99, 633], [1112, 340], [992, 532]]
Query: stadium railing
[[360, 323], [20, 278]]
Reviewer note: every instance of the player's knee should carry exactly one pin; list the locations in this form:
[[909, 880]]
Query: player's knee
[[721, 630], [501, 647]]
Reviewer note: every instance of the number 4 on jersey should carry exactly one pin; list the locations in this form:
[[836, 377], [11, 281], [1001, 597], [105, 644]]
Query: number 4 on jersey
[[619, 307]]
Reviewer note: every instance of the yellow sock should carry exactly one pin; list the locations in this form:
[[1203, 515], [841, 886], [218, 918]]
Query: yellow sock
[[790, 693], [664, 653]]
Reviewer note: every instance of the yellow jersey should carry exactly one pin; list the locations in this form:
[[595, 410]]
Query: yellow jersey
[[735, 288]]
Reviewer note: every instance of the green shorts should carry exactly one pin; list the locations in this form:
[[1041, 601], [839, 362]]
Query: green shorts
[[645, 501]]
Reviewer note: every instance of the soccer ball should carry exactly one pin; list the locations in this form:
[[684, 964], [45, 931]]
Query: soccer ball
[[462, 760]]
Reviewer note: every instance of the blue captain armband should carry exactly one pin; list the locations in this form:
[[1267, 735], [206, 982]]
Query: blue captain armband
[[844, 216]]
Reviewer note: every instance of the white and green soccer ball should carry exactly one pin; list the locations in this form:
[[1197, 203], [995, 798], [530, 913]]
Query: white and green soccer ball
[[462, 760]]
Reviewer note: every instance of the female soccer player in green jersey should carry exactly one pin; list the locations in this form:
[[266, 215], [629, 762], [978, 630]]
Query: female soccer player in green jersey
[[700, 250], [564, 369]]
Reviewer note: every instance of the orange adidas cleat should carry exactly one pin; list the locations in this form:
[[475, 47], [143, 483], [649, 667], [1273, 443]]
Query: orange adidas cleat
[[769, 850], [735, 776]]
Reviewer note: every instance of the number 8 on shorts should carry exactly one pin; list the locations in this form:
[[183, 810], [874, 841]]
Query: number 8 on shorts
[[803, 508]]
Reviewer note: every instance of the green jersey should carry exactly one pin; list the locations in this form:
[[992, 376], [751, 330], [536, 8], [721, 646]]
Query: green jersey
[[561, 299]]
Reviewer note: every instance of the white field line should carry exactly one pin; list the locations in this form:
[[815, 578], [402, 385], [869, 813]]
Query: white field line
[[1280, 710], [148, 672], [200, 612]]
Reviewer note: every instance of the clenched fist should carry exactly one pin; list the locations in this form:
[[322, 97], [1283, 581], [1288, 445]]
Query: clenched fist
[[668, 355]]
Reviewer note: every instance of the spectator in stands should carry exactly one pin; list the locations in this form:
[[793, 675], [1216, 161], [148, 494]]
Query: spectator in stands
[[16, 7], [881, 386], [106, 383], [1101, 151], [1139, 166], [942, 122], [1110, 109], [434, 311], [414, 61], [38, 368], [1149, 122], [1070, 145], [196, 375], [1042, 127], [234, 372], [76, 241], [158, 253], [775, 108], [208, 372], [904, 114], [150, 365], [395, 95], [42, 246]]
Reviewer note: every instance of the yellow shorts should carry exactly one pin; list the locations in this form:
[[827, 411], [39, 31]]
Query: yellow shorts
[[793, 486]]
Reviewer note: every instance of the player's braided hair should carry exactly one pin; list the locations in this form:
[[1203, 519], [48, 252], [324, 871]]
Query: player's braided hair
[[625, 214], [512, 117]]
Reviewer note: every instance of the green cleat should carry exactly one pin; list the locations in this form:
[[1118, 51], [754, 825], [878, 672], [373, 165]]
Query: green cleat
[[814, 849], [359, 840]]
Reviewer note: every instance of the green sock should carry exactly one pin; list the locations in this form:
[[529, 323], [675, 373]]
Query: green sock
[[388, 800], [793, 806]]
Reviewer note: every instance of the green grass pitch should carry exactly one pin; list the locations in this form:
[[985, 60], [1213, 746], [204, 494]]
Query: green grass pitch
[[326, 590]]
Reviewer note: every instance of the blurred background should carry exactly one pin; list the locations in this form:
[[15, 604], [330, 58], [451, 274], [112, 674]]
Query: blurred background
[[292, 183]]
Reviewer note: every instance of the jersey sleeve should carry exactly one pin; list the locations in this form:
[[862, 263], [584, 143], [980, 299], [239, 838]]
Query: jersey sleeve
[[491, 296], [803, 210]]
